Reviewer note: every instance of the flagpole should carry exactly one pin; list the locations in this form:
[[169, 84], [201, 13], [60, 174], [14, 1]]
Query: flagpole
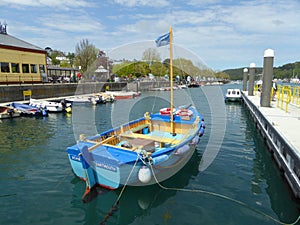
[[171, 84]]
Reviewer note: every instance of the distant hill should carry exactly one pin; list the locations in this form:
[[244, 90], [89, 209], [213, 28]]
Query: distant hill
[[286, 71], [237, 74]]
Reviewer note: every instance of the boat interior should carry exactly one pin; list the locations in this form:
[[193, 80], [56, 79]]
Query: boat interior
[[148, 134]]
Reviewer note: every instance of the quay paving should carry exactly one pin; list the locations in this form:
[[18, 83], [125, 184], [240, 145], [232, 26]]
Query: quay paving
[[286, 123]]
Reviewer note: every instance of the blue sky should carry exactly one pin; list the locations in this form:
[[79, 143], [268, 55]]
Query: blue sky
[[221, 34]]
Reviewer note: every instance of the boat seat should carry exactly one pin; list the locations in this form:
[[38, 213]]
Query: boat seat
[[151, 137], [138, 128], [97, 144]]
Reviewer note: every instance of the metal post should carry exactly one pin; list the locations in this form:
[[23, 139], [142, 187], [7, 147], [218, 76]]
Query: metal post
[[251, 79], [245, 79], [267, 78]]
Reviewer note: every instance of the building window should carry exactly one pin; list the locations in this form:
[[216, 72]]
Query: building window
[[25, 68], [4, 67], [15, 68], [33, 68]]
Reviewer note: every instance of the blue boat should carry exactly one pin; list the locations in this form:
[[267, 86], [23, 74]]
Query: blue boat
[[28, 110], [145, 151]]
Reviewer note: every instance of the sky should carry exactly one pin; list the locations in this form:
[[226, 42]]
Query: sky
[[221, 34]]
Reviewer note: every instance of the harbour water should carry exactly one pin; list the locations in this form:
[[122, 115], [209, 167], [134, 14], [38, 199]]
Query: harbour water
[[241, 185]]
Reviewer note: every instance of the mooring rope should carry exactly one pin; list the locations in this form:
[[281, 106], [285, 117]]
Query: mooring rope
[[114, 207], [223, 197], [64, 178]]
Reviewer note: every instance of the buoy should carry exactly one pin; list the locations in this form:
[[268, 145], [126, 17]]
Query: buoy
[[144, 174], [68, 109], [184, 112]]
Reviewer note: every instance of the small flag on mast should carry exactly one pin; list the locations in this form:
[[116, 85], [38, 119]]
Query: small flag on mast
[[163, 40]]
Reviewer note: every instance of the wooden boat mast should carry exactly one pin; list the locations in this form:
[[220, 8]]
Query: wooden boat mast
[[171, 84]]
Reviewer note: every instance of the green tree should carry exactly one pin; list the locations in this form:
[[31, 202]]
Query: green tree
[[71, 58], [54, 54], [86, 54], [158, 69]]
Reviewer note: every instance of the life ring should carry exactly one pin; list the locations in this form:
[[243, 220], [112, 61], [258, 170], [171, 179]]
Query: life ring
[[166, 111], [184, 112]]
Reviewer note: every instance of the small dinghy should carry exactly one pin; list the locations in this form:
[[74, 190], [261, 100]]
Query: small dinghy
[[8, 112]]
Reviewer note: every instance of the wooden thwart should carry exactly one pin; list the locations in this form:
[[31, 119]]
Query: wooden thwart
[[151, 137]]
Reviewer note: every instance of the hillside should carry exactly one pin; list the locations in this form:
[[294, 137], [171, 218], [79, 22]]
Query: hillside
[[289, 70]]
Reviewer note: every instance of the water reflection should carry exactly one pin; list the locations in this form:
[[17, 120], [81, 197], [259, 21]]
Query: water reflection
[[267, 178], [21, 133], [135, 201]]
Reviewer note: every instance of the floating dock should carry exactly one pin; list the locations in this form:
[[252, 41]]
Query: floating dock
[[281, 131]]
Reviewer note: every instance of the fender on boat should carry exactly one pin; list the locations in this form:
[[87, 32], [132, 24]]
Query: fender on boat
[[144, 174], [159, 159], [195, 140], [182, 150], [202, 128]]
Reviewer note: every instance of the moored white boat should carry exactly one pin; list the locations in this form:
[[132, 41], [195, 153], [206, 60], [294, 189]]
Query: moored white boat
[[48, 105], [233, 95], [105, 97], [123, 94], [84, 99]]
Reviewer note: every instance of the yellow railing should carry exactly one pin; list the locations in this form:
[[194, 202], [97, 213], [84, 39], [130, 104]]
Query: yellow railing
[[256, 87], [284, 94], [296, 95]]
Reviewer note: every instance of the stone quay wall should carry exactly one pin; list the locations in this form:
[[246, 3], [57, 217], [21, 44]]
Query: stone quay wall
[[10, 93]]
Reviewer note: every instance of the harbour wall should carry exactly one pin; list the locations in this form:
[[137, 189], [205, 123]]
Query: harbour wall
[[284, 154], [10, 93], [147, 86]]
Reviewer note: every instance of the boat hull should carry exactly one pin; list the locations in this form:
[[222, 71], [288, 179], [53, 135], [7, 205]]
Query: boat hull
[[112, 173], [233, 95], [233, 99], [140, 153], [8, 112]]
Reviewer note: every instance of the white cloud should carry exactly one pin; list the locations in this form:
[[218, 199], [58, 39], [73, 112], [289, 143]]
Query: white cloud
[[71, 23], [152, 3], [224, 34], [66, 4]]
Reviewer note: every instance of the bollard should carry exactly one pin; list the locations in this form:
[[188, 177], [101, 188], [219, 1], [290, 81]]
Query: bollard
[[267, 78], [251, 79], [245, 79]]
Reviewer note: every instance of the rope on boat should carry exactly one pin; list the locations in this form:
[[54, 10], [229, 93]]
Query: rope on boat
[[64, 178], [114, 207], [223, 197]]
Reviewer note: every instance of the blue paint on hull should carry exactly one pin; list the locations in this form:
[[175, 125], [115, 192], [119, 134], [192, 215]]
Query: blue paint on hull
[[111, 166]]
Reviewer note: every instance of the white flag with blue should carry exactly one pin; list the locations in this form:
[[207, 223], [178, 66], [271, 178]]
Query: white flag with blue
[[163, 40]]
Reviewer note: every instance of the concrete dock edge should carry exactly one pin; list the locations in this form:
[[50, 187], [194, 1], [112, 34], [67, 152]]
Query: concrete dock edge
[[284, 153]]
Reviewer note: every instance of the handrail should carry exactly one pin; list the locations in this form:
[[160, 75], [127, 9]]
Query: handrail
[[284, 96], [296, 95]]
